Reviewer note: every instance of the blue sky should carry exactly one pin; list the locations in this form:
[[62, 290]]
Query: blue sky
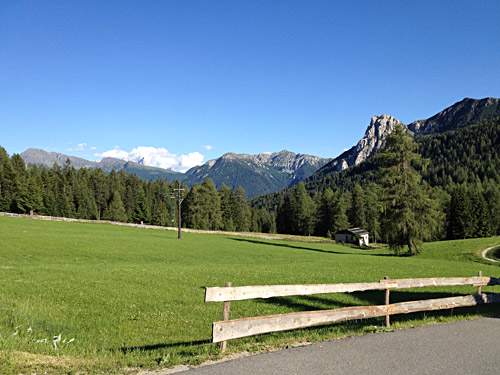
[[182, 82]]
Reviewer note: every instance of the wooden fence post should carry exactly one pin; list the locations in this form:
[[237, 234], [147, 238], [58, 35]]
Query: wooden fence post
[[479, 288], [387, 302], [225, 316]]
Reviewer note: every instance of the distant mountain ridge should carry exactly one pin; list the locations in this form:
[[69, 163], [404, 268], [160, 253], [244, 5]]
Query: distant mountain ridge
[[463, 113], [48, 159], [257, 174]]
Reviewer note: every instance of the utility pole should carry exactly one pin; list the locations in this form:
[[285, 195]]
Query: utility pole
[[179, 199]]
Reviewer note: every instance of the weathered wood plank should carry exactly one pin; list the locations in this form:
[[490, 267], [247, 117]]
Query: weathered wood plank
[[217, 294], [238, 328], [444, 281], [221, 294]]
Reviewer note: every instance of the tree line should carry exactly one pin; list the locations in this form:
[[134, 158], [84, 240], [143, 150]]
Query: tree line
[[119, 196]]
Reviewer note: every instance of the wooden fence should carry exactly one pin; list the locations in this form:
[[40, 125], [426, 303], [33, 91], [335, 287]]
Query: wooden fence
[[232, 329]]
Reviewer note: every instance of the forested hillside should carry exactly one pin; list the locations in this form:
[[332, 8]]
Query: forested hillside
[[461, 166]]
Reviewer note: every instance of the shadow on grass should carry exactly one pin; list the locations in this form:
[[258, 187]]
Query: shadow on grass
[[131, 349], [259, 242], [372, 298], [494, 254]]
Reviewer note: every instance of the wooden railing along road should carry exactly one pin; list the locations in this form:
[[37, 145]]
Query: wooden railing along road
[[232, 329]]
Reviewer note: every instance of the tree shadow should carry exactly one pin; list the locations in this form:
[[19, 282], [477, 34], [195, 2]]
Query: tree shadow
[[259, 242], [377, 297]]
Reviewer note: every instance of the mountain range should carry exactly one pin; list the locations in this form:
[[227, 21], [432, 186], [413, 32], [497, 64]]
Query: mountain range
[[257, 174], [270, 172], [464, 113]]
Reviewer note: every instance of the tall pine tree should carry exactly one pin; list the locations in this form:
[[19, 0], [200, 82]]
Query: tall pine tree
[[408, 216]]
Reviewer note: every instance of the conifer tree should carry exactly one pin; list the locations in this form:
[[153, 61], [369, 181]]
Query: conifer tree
[[8, 182], [357, 211], [408, 216], [227, 201], [460, 214], [241, 211], [29, 198], [141, 211], [284, 214], [211, 202], [340, 220], [304, 211], [325, 213], [115, 211]]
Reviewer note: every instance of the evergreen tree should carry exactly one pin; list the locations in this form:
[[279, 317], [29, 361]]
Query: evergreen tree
[[160, 204], [211, 203], [86, 207], [358, 210], [340, 220], [100, 186], [325, 213], [284, 214], [492, 197], [460, 214], [160, 214], [8, 182], [482, 219], [408, 212], [29, 198], [241, 211], [373, 211], [141, 211], [304, 211], [227, 201], [49, 198], [202, 207], [115, 211]]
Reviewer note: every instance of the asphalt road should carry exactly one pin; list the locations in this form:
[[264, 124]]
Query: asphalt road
[[469, 347]]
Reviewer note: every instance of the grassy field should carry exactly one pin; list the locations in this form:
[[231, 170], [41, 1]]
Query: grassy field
[[129, 298]]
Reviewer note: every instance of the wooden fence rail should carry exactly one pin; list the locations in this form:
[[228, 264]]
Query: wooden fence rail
[[231, 329]]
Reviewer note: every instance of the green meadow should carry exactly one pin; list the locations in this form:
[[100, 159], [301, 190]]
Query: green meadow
[[124, 299]]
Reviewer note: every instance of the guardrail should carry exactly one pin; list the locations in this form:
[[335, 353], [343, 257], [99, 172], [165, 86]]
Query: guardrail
[[237, 328]]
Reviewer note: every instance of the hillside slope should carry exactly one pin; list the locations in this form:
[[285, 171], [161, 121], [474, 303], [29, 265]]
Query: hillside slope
[[461, 114], [257, 174]]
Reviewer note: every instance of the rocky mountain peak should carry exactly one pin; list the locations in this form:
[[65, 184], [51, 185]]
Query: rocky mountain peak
[[376, 133], [373, 140]]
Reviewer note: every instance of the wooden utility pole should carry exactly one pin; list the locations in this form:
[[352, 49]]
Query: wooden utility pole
[[179, 199]]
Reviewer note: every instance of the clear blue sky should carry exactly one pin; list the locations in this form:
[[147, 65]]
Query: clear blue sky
[[84, 77]]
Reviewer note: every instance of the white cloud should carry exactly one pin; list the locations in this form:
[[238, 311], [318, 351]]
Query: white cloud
[[118, 154], [191, 159], [156, 157], [81, 146], [208, 147]]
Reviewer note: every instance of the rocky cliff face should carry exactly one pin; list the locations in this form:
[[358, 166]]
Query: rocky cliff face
[[378, 130], [376, 133]]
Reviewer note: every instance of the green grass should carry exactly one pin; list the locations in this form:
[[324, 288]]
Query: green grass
[[134, 298]]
